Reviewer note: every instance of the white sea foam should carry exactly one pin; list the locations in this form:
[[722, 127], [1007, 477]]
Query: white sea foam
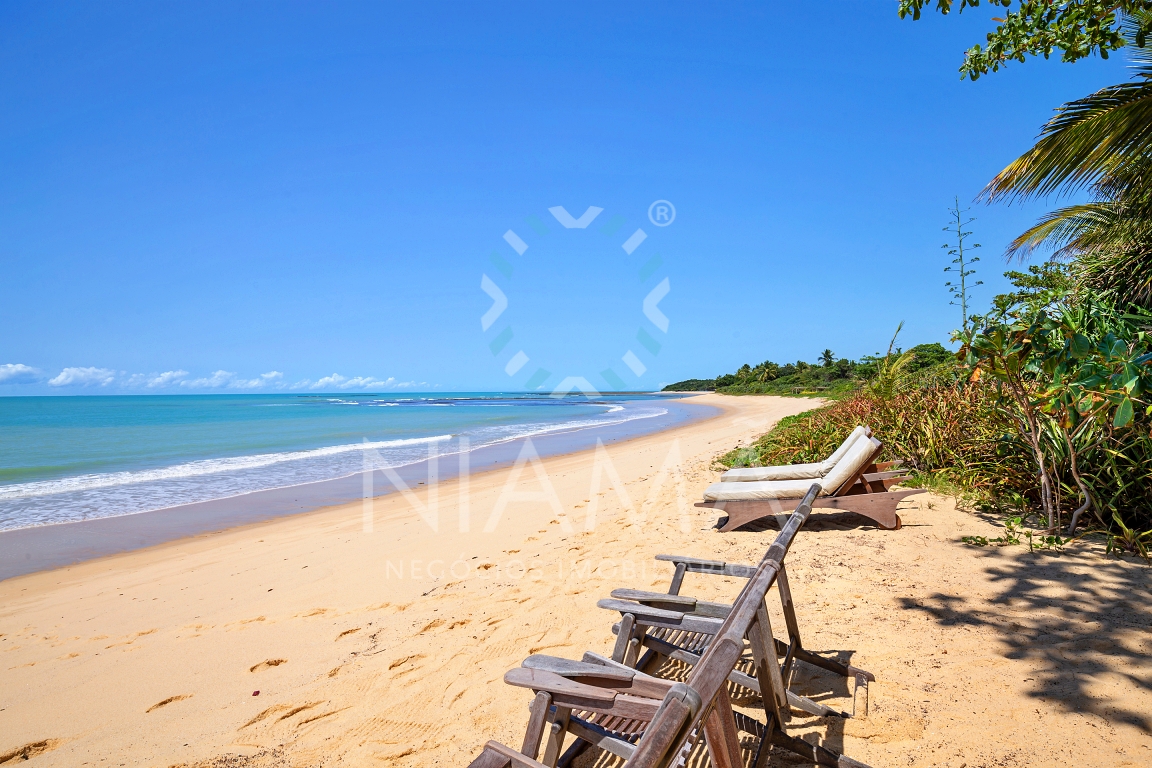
[[192, 469], [116, 494]]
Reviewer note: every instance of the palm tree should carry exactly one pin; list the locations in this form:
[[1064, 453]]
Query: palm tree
[[1102, 142], [827, 358], [1109, 243]]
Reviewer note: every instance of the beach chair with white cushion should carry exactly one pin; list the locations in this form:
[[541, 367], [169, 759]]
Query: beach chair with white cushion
[[796, 471], [847, 487]]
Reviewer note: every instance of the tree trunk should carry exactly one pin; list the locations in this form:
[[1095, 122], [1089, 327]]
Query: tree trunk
[[1087, 496], [1020, 393]]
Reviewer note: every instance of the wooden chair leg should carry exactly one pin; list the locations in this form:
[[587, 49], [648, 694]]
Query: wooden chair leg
[[720, 734], [624, 638], [536, 724], [556, 736], [677, 579]]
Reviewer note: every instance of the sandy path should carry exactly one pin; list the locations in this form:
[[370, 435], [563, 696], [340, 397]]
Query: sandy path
[[366, 651]]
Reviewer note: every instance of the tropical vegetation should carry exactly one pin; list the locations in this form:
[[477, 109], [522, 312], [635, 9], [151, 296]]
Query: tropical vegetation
[[1047, 408], [830, 376], [1075, 28]]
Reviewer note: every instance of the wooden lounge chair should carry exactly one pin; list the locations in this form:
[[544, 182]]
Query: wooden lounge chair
[[665, 637], [811, 471], [661, 738], [848, 487]]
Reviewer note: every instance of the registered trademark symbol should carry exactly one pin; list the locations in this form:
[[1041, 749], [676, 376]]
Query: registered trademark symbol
[[661, 213]]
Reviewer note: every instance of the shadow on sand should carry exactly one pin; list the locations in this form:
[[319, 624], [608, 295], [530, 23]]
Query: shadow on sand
[[1074, 616]]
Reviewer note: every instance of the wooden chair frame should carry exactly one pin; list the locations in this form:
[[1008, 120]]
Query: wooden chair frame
[[645, 613], [864, 493]]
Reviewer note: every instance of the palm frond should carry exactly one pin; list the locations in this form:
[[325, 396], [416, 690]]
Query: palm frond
[[1062, 230], [1088, 139]]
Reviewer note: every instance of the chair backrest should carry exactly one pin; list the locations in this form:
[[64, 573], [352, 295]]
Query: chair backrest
[[859, 456], [708, 681], [827, 465]]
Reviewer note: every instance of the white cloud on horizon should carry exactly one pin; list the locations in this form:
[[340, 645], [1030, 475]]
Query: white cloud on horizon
[[13, 373], [83, 377], [335, 381], [215, 381], [367, 382], [220, 379], [155, 380], [166, 378], [263, 380], [344, 383]]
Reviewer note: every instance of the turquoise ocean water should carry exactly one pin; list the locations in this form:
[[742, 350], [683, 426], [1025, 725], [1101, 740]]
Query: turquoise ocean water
[[64, 459]]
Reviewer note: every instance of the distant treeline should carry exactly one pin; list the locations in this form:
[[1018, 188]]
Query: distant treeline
[[829, 375]]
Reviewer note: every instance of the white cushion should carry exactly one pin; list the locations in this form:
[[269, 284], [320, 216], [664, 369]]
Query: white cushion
[[794, 471], [838, 454], [782, 472], [757, 491], [853, 461]]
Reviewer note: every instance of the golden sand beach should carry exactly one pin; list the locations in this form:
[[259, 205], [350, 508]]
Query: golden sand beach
[[387, 646]]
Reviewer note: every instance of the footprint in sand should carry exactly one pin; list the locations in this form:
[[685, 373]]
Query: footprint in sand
[[267, 664], [405, 660], [288, 709], [29, 751], [321, 716], [297, 710], [164, 703], [134, 638], [315, 612]]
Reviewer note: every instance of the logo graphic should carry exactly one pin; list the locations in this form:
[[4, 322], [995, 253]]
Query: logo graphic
[[661, 213], [518, 364]]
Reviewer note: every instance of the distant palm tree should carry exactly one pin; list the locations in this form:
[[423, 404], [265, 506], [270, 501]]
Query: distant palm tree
[[827, 358]]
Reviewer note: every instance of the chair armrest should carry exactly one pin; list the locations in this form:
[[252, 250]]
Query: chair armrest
[[570, 668], [542, 680], [696, 565]]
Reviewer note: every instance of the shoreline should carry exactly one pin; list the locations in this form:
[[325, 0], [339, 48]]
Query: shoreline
[[47, 547]]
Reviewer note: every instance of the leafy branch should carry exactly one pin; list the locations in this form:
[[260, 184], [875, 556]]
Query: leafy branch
[[1076, 28]]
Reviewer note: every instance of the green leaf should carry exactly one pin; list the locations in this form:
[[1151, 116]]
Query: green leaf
[[1080, 347], [1123, 414]]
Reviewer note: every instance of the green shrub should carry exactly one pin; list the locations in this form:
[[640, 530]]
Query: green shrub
[[959, 442], [946, 433]]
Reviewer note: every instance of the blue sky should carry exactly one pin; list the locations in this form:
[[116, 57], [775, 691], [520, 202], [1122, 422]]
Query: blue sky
[[245, 197]]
